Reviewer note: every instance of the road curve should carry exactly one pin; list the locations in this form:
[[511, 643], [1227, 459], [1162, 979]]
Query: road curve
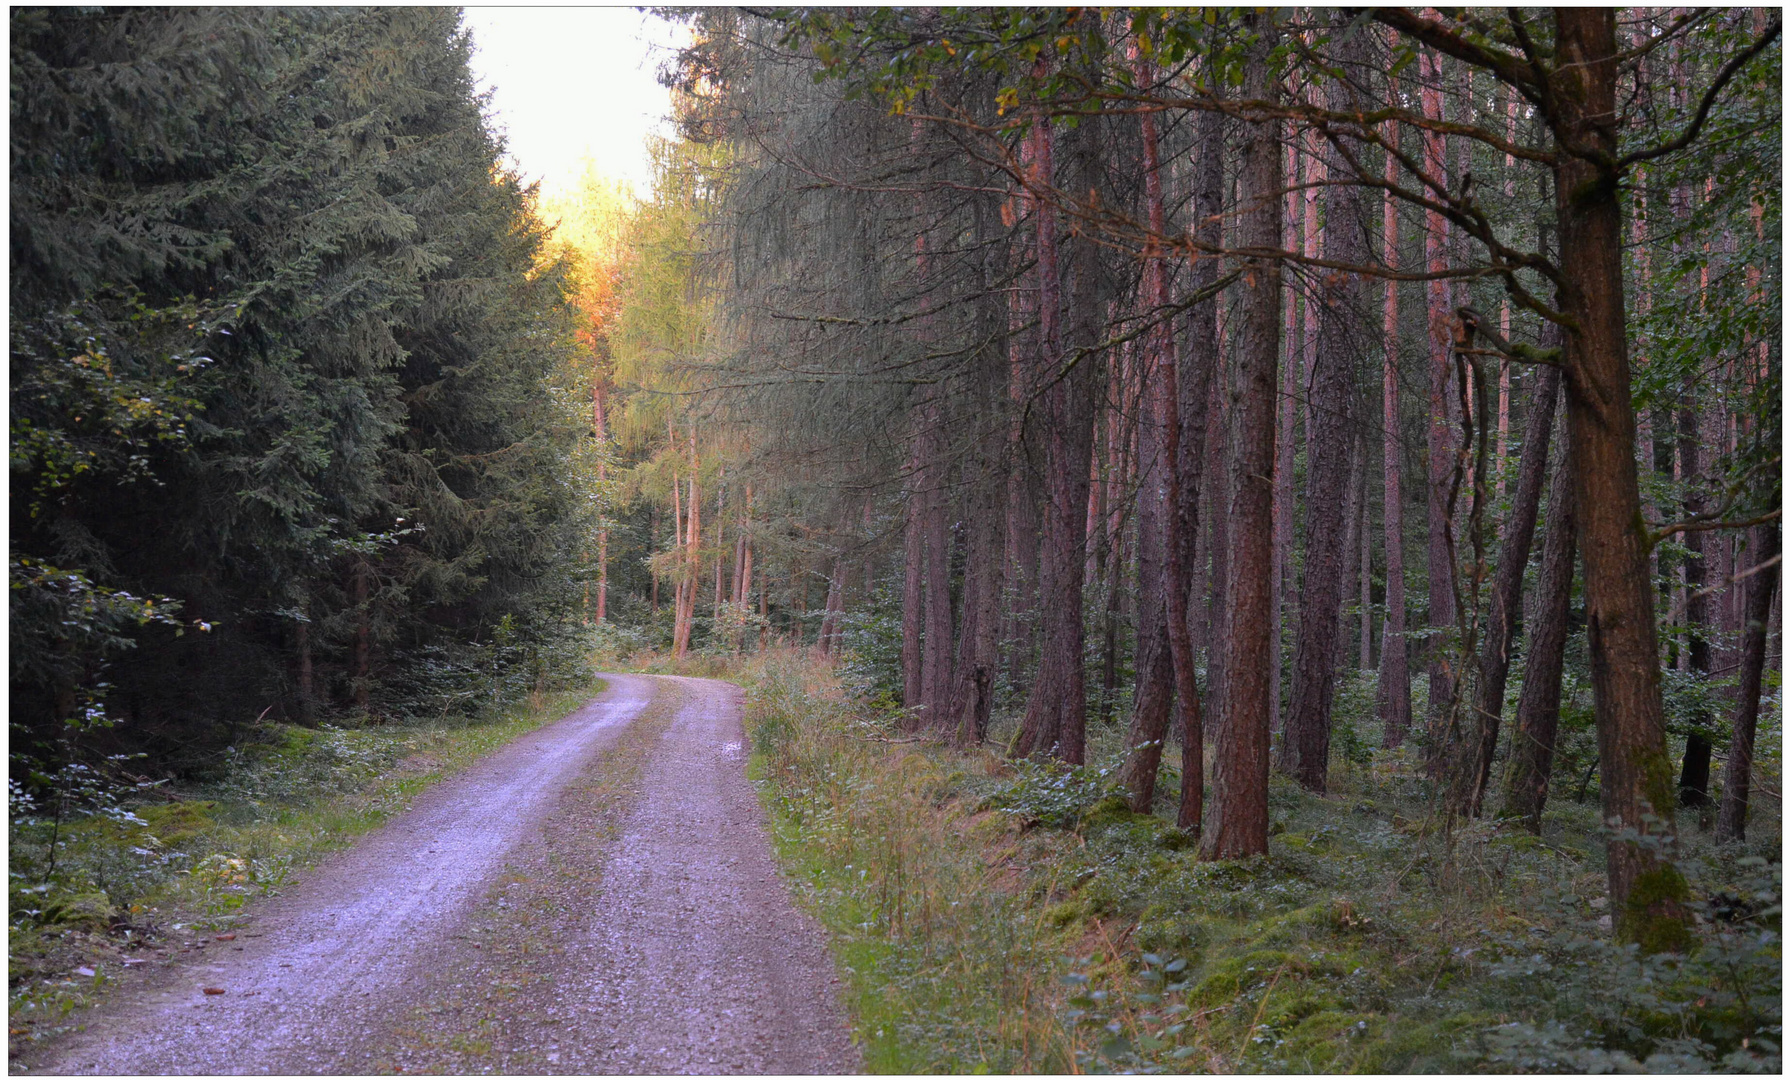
[[659, 937]]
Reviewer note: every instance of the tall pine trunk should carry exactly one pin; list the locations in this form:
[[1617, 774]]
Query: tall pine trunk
[[1440, 441], [1394, 700], [913, 596], [1197, 386], [1737, 779], [1055, 714], [1693, 780], [1305, 743], [1647, 891], [940, 630], [1507, 599], [1238, 820], [1538, 708]]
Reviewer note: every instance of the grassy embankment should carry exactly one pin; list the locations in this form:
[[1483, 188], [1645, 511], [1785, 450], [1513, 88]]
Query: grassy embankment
[[999, 916], [198, 856]]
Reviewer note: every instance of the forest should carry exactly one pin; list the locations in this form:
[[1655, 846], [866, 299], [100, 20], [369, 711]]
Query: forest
[[1193, 409]]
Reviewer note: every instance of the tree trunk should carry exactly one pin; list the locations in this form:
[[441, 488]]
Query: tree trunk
[[940, 631], [1538, 709], [1394, 702], [1195, 386], [655, 535], [1305, 743], [913, 582], [1440, 442], [307, 680], [1693, 781], [1154, 662], [1730, 823], [1647, 891], [602, 433], [1285, 456], [1507, 598], [1056, 711], [829, 622], [1238, 823], [978, 650], [1364, 535], [363, 636]]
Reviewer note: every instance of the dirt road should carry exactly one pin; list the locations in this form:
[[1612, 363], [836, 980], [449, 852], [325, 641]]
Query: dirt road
[[598, 897]]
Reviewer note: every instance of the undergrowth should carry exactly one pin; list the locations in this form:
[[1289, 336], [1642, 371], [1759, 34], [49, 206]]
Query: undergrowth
[[92, 895], [1002, 916]]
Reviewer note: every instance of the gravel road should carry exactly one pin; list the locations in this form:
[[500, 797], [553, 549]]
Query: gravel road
[[597, 897]]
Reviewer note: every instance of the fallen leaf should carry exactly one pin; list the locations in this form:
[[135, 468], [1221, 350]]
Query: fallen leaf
[[84, 972], [212, 989], [226, 937]]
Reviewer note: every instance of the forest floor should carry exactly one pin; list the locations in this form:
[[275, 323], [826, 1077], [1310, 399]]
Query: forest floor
[[599, 896], [1013, 916]]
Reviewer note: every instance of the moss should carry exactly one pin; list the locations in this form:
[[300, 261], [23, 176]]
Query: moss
[[1174, 934], [1224, 980], [89, 911], [1654, 917], [1067, 912], [1289, 1004], [1175, 839], [1113, 810], [174, 823]]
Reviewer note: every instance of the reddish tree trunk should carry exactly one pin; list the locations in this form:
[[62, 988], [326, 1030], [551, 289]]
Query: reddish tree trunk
[[1238, 821], [1055, 714], [1196, 386], [1647, 891], [1395, 672]]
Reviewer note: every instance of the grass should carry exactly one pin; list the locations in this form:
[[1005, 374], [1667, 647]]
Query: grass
[[192, 861], [1012, 917]]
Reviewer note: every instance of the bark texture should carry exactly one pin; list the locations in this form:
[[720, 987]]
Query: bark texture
[[1238, 820], [1506, 608], [1737, 777], [1647, 892], [1305, 743], [1538, 708], [1055, 718]]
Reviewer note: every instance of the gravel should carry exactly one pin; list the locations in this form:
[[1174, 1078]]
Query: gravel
[[597, 897]]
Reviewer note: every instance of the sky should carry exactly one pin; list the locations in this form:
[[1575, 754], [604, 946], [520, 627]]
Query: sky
[[573, 82]]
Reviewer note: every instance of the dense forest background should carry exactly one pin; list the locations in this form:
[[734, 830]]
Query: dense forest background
[[1270, 387], [298, 398]]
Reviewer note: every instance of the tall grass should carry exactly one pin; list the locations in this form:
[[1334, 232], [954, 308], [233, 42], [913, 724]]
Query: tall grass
[[1018, 917], [951, 965]]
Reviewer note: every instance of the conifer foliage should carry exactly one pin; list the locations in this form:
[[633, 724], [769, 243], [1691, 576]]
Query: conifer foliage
[[297, 407]]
